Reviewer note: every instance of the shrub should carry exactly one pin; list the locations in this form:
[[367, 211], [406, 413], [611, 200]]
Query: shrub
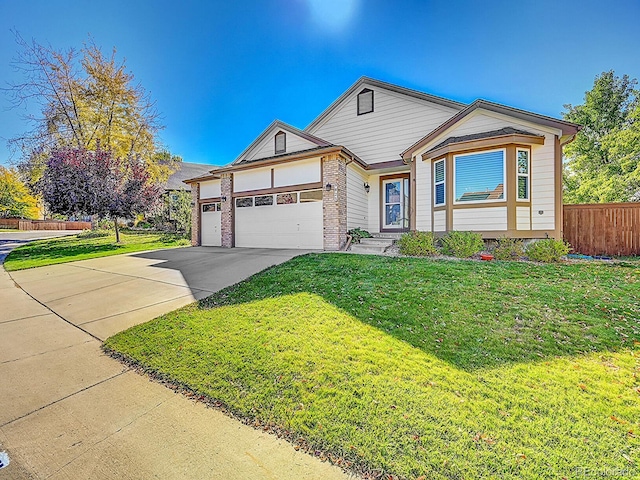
[[508, 249], [462, 244], [417, 244], [357, 234], [547, 250], [95, 233]]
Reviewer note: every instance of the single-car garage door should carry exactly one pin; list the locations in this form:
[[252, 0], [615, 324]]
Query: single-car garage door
[[283, 220], [211, 225]]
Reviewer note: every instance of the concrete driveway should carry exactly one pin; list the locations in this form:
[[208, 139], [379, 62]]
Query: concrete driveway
[[67, 411]]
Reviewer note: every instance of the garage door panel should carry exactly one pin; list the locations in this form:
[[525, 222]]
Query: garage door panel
[[280, 226], [211, 234]]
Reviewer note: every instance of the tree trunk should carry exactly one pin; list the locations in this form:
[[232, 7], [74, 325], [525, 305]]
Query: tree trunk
[[115, 222]]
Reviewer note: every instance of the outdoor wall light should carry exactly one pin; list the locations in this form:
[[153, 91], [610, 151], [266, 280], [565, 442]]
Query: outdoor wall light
[[366, 187], [328, 187], [223, 198]]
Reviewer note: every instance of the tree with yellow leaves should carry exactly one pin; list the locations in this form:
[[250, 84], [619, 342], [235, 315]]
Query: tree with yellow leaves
[[15, 199]]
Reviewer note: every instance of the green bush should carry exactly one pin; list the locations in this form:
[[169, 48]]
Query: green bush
[[95, 233], [547, 250], [508, 249], [462, 244], [357, 234], [417, 244]]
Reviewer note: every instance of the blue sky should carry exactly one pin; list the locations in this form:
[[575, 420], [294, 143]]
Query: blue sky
[[221, 71]]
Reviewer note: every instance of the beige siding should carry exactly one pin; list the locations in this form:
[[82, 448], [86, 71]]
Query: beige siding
[[439, 221], [267, 148], [374, 204], [210, 189], [397, 122], [490, 218], [523, 218], [296, 173], [252, 179], [357, 199], [424, 202]]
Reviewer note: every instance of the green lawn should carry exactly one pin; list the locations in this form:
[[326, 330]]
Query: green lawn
[[83, 246], [441, 369]]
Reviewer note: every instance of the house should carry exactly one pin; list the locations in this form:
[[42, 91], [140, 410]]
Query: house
[[388, 159]]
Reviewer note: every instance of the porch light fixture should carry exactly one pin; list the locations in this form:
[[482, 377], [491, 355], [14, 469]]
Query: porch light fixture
[[328, 187], [366, 187], [223, 198]]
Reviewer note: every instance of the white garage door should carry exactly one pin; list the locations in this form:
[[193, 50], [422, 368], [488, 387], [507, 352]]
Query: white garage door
[[211, 225], [284, 220]]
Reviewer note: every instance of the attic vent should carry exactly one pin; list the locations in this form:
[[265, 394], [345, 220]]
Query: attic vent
[[365, 101], [281, 142]]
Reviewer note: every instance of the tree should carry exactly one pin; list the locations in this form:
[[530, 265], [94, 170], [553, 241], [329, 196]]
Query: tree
[[603, 162], [78, 181], [15, 199], [85, 99]]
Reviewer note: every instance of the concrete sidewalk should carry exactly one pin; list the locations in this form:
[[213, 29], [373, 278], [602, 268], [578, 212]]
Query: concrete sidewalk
[[67, 411]]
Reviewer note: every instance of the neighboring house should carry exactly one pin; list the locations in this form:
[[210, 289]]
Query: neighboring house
[[388, 159]]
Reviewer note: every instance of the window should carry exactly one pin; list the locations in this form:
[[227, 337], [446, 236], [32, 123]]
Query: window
[[264, 200], [286, 198], [244, 202], [522, 158], [479, 177], [281, 142], [311, 196], [365, 101], [438, 183], [210, 207]]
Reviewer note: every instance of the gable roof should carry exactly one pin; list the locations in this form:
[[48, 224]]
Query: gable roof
[[384, 85], [185, 171], [279, 125], [477, 136], [567, 128]]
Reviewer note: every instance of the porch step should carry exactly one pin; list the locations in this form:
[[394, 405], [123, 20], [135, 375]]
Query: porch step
[[392, 236], [374, 245]]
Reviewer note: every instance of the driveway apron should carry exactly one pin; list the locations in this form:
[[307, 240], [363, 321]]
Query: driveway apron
[[67, 411]]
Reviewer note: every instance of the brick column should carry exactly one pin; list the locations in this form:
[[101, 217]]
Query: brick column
[[195, 214], [334, 201], [226, 220]]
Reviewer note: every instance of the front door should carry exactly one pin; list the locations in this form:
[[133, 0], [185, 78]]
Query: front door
[[395, 203]]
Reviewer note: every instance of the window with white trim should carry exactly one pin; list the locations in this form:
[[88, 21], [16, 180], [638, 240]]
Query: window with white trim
[[479, 177], [281, 142], [438, 183], [365, 101], [522, 171]]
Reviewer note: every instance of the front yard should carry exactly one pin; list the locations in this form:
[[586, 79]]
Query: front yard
[[421, 368], [89, 244]]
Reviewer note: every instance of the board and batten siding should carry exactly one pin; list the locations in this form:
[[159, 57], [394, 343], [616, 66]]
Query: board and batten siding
[[479, 219], [210, 189], [397, 121], [267, 148], [424, 200], [357, 201]]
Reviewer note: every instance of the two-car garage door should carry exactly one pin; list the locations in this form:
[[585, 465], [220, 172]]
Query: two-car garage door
[[282, 220]]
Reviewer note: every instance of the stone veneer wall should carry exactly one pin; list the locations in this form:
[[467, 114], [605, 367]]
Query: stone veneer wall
[[226, 220], [195, 214], [334, 172]]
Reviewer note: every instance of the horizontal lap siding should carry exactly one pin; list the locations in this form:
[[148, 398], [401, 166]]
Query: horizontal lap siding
[[357, 201], [267, 148], [374, 203], [424, 201], [439, 221], [523, 218], [605, 229], [396, 123], [494, 218]]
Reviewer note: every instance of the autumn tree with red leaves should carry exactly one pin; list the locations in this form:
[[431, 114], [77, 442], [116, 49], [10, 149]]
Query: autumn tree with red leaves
[[78, 181]]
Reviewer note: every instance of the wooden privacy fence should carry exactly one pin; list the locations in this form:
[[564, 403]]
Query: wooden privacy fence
[[21, 224], [603, 228]]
